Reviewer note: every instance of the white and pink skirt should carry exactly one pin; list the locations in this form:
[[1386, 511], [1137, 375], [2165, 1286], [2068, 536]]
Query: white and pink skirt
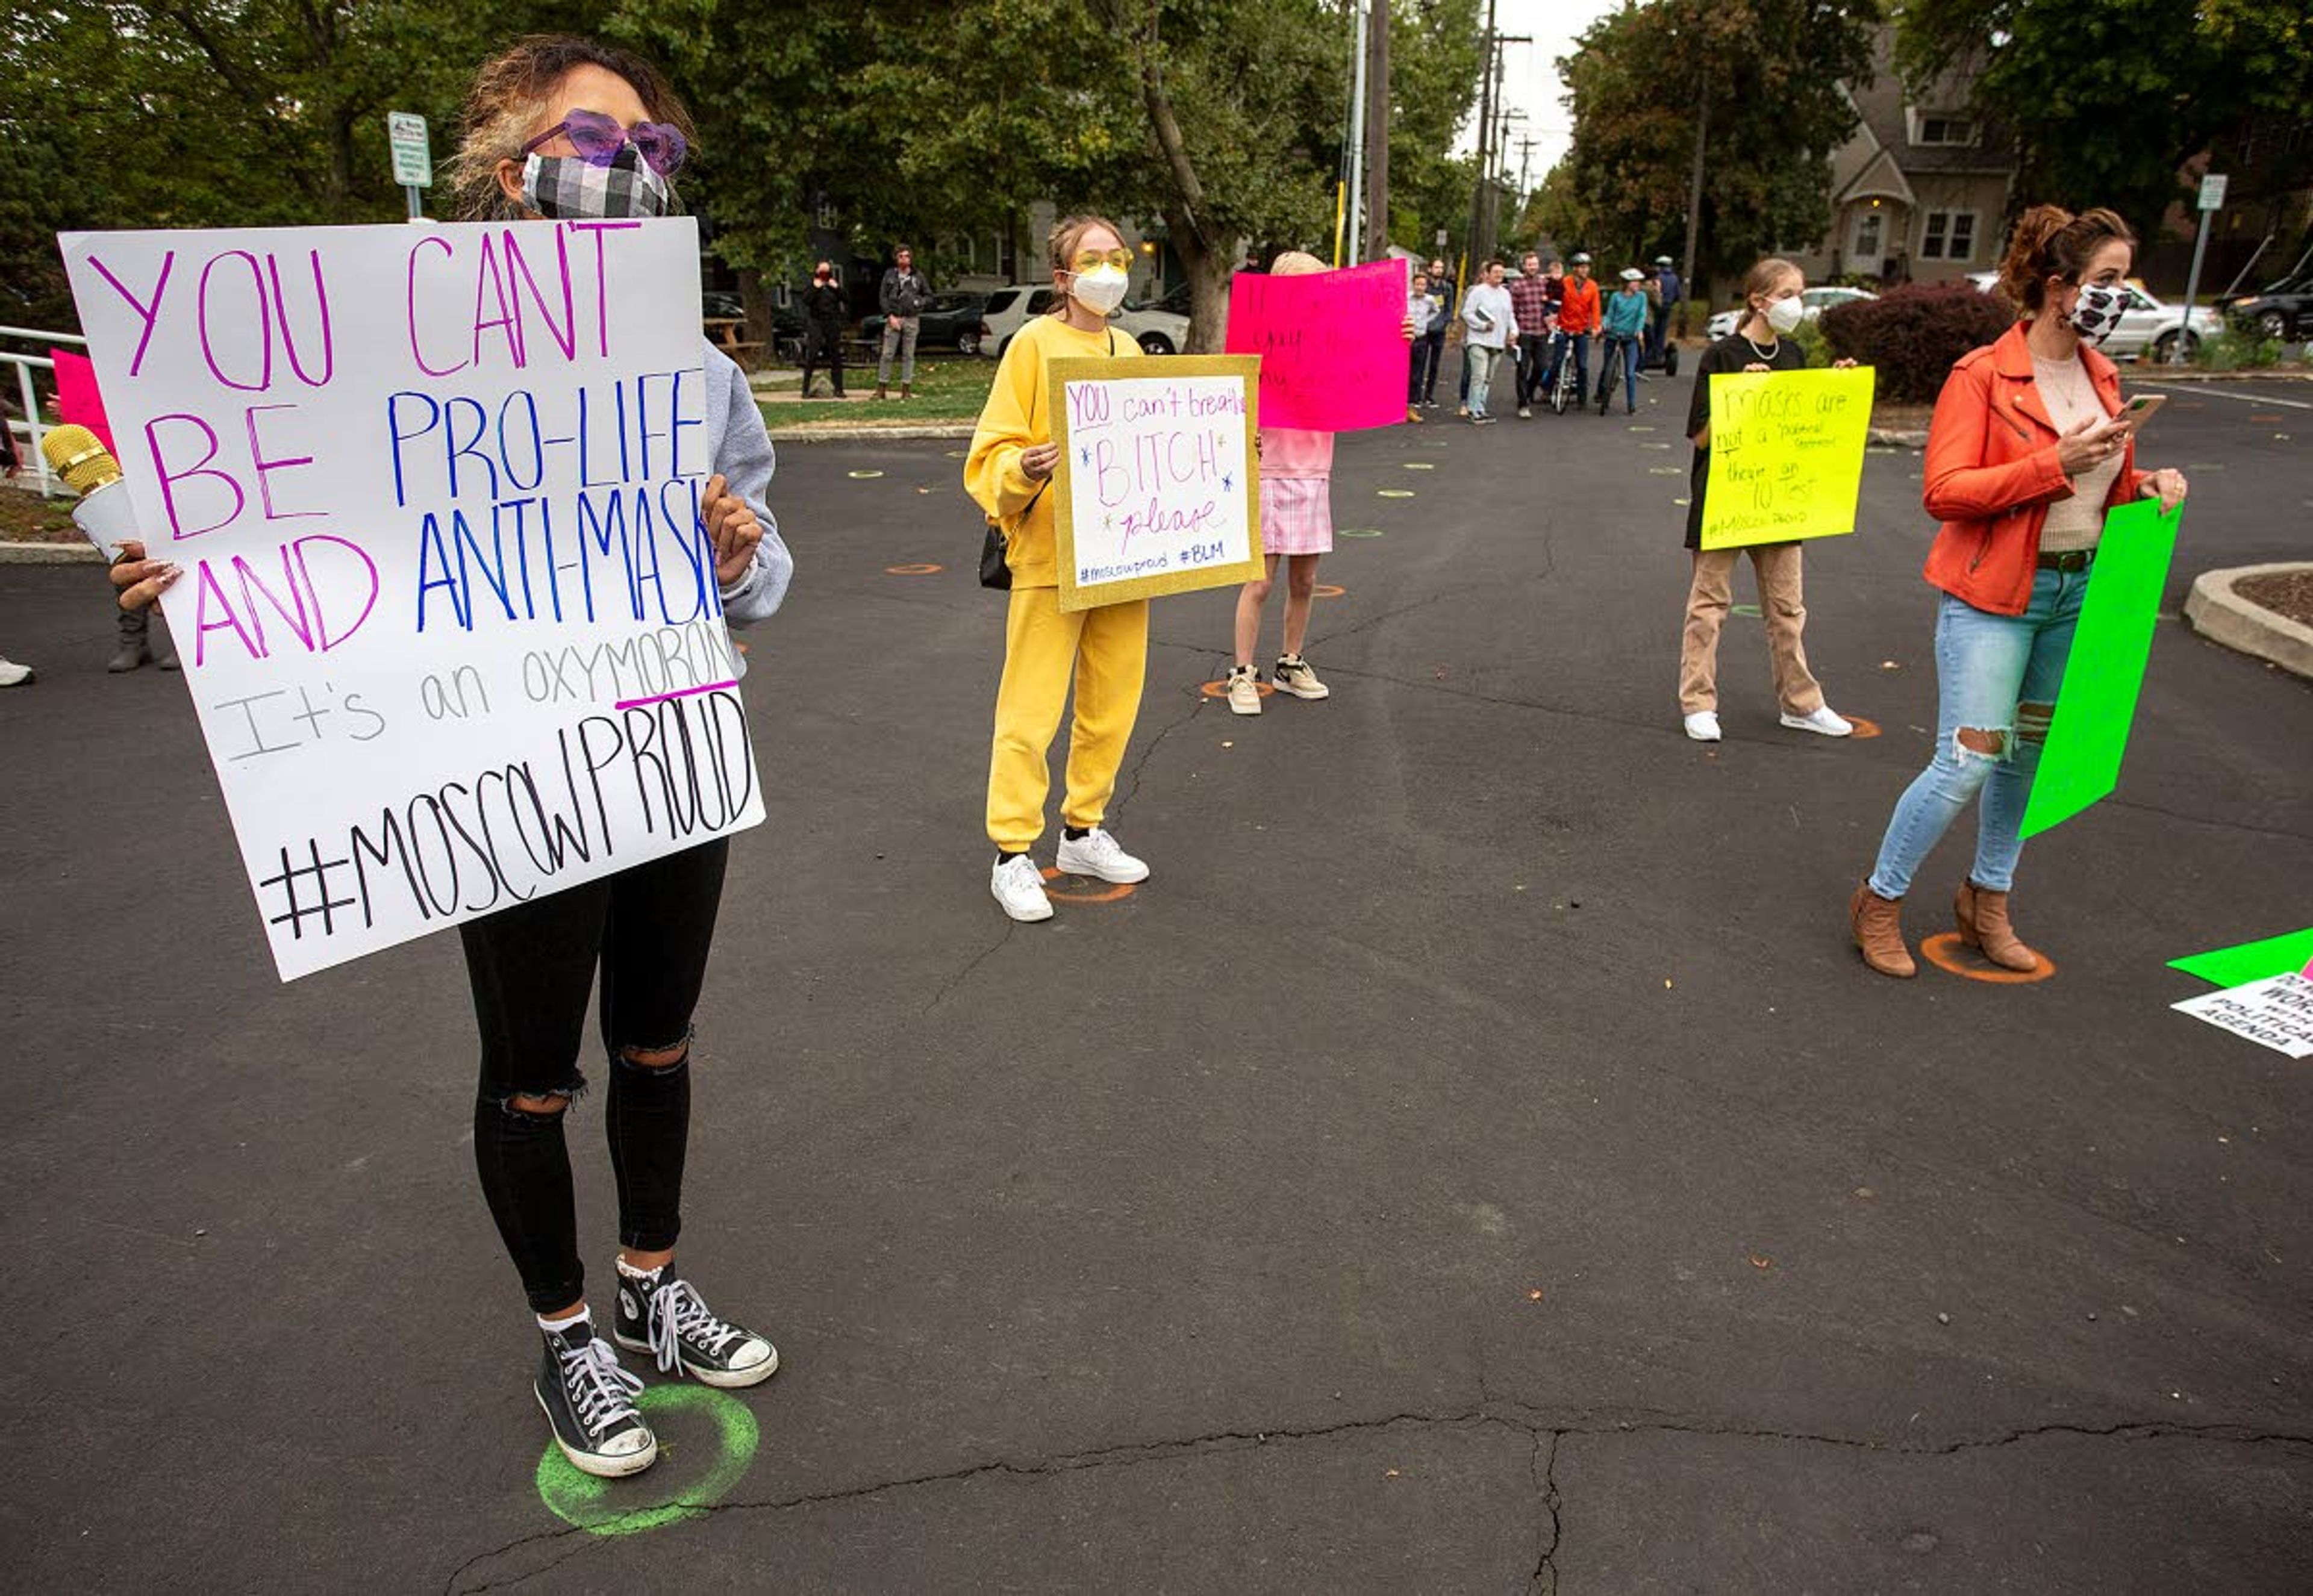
[[1296, 515]]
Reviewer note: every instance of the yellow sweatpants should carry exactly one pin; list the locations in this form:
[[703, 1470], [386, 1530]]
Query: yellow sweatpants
[[1105, 652]]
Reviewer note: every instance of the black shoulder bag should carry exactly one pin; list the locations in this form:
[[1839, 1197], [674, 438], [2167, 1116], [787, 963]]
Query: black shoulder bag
[[993, 572]]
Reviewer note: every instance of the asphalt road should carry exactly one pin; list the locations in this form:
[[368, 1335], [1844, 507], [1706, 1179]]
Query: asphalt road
[[1476, 1160]]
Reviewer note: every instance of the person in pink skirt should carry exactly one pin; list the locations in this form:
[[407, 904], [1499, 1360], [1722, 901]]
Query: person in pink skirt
[[1297, 525]]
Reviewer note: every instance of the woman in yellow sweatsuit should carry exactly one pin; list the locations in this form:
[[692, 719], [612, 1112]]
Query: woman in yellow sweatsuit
[[1104, 651]]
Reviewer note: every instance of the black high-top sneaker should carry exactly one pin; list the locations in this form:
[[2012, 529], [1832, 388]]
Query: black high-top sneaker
[[589, 1401], [664, 1315]]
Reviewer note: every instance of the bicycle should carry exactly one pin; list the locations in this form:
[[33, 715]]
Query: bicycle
[[1562, 391], [1610, 366]]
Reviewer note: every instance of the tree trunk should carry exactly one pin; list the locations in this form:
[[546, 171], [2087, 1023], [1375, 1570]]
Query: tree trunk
[[755, 304], [1209, 271]]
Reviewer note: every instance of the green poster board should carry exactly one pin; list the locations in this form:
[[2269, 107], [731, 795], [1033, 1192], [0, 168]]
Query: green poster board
[[2098, 702], [2252, 961]]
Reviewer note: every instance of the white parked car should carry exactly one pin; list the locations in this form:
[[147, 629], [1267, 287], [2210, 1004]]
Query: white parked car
[[1157, 332], [2147, 326], [1816, 300]]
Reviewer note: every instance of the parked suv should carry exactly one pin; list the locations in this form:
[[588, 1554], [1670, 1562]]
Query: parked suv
[[950, 322], [1157, 332], [2283, 309]]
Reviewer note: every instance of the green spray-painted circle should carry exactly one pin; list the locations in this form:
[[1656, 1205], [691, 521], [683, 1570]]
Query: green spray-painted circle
[[1360, 531], [608, 1507]]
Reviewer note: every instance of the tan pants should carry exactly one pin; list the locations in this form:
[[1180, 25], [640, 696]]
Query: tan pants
[[1783, 605]]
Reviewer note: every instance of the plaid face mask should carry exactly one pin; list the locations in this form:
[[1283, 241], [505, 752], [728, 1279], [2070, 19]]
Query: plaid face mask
[[563, 186]]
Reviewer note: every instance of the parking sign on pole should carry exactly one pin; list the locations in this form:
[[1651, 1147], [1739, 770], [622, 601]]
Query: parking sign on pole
[[413, 156]]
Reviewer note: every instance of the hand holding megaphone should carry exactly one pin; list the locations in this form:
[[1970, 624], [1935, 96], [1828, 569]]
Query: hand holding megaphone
[[104, 514]]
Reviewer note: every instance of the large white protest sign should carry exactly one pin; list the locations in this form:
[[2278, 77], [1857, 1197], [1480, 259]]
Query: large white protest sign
[[1157, 490], [448, 613]]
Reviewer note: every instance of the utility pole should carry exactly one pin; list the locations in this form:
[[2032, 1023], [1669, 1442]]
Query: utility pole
[[1485, 132], [1694, 187], [1377, 132], [1357, 143]]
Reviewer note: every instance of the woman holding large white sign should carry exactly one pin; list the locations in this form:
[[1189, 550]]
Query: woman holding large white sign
[[567, 128], [1103, 651]]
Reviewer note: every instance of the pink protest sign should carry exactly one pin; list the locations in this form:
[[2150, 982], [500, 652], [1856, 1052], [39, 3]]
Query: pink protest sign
[[78, 402], [1333, 355]]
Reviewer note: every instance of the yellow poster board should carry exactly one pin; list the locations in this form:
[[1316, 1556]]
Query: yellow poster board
[[1786, 455], [1158, 488]]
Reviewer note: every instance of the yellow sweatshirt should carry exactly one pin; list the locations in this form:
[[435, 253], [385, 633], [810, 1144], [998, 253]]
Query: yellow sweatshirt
[[1015, 419]]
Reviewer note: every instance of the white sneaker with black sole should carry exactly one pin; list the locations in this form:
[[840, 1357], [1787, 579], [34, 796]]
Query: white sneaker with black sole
[[1019, 886], [1702, 725], [1095, 854], [663, 1315], [589, 1402]]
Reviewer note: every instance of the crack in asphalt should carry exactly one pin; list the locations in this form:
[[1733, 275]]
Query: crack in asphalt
[[1544, 1468], [1197, 701], [976, 959], [1548, 1434]]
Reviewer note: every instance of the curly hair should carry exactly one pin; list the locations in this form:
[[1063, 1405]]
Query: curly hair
[[2050, 242], [506, 107]]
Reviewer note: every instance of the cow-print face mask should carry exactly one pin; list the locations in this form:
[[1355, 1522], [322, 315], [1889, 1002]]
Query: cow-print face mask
[[2097, 311]]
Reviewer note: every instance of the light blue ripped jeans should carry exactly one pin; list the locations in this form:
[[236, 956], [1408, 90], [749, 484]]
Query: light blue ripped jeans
[[1996, 674]]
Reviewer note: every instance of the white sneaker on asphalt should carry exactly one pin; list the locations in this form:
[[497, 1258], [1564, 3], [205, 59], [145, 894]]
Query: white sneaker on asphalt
[[1019, 887], [1095, 854], [1702, 725], [1822, 720], [1244, 690]]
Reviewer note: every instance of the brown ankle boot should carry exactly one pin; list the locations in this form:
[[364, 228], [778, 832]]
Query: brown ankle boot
[[1879, 932], [1983, 915], [907, 390], [879, 390]]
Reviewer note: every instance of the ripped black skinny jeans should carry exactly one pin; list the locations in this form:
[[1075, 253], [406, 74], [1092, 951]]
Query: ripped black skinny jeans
[[649, 928]]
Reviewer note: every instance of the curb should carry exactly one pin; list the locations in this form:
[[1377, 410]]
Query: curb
[[2141, 372], [48, 554], [1886, 439], [2222, 616], [852, 434]]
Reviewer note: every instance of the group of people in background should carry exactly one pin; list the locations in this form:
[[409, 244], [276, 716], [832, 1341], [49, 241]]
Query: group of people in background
[[1536, 322]]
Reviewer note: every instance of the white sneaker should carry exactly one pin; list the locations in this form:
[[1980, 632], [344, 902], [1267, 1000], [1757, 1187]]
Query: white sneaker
[[1096, 854], [1019, 887], [1702, 725], [1822, 720], [12, 674], [1244, 690]]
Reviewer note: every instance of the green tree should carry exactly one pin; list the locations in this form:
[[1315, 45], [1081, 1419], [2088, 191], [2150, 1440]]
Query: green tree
[[2107, 103], [1763, 79], [1436, 50], [266, 112]]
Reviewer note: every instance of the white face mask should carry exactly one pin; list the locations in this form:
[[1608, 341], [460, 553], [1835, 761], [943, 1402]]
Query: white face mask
[[1100, 290], [1785, 314]]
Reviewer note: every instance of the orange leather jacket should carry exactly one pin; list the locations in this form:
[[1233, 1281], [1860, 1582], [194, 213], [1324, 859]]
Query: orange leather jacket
[[1993, 472]]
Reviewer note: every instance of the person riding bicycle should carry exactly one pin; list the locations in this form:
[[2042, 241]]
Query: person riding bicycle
[[1625, 325]]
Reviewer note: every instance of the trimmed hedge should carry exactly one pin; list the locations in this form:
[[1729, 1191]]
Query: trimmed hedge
[[1913, 334]]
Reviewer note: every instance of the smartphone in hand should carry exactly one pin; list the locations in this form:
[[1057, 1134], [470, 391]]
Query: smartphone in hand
[[2140, 409]]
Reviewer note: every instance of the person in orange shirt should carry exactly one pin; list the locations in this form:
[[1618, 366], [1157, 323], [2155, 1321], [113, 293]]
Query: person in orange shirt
[[1578, 318]]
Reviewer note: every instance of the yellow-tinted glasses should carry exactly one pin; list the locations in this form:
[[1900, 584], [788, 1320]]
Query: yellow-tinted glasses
[[1093, 260]]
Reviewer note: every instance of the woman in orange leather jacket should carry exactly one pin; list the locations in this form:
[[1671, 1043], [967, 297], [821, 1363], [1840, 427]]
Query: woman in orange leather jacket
[[2026, 453]]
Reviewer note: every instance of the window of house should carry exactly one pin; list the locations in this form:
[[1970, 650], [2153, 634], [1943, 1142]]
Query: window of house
[[1945, 130], [1948, 235], [1866, 241]]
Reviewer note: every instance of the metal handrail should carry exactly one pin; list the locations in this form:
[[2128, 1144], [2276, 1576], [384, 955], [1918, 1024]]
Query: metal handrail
[[31, 427]]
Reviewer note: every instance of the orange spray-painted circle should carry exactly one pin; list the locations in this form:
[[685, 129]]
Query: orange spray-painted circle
[[915, 570], [1220, 690], [1327, 590], [1109, 893], [1945, 953], [1863, 728]]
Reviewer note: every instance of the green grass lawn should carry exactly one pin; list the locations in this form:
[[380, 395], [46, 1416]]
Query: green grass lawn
[[949, 387]]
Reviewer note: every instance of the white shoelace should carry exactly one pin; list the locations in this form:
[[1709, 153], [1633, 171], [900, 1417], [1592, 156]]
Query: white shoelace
[[675, 1312], [600, 1390], [1099, 844]]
